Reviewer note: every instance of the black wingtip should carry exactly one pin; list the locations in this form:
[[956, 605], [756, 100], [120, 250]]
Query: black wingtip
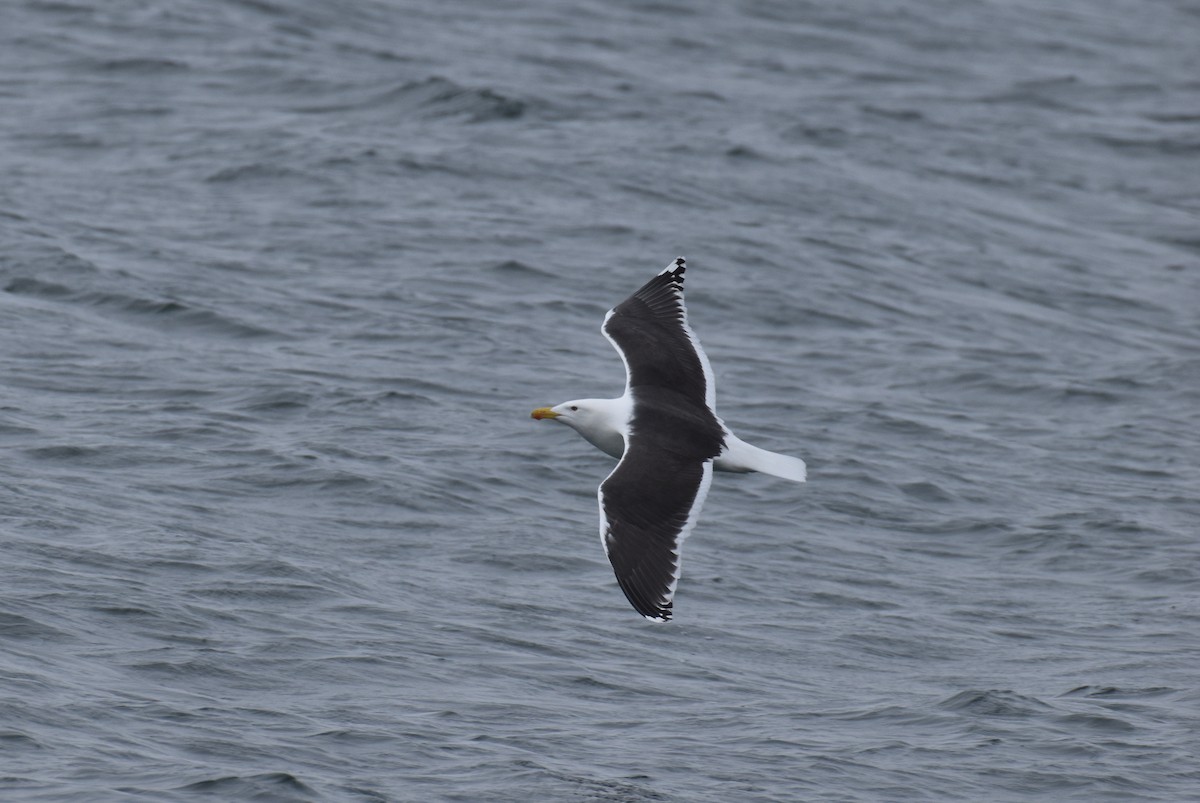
[[654, 609], [655, 613], [675, 270]]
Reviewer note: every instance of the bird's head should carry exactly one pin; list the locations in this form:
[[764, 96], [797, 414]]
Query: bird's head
[[577, 414]]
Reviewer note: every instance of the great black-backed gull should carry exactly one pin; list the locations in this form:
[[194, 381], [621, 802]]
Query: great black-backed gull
[[668, 437]]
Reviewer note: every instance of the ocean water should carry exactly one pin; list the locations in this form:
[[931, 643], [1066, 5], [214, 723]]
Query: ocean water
[[282, 280]]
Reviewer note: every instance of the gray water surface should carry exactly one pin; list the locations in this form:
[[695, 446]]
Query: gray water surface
[[283, 280]]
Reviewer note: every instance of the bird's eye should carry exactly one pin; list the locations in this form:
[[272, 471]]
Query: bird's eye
[[574, 409]]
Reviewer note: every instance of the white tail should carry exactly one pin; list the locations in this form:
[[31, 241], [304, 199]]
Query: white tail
[[740, 456]]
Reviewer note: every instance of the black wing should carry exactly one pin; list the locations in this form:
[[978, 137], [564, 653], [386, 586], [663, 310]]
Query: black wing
[[651, 500], [647, 507], [651, 333]]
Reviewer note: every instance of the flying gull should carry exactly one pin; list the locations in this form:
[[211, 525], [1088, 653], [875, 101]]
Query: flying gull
[[668, 437]]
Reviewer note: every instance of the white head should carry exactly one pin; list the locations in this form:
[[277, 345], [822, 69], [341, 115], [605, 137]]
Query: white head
[[601, 422], [577, 414]]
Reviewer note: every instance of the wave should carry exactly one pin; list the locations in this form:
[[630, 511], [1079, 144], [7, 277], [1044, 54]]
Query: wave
[[158, 312], [432, 98]]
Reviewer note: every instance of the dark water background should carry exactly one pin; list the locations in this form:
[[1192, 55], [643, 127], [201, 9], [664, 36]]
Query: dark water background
[[282, 281]]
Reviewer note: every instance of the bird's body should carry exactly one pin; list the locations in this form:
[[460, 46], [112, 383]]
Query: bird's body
[[666, 433], [600, 422]]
